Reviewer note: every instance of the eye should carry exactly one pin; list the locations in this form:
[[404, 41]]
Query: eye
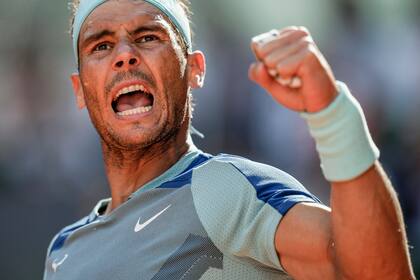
[[102, 47], [147, 38]]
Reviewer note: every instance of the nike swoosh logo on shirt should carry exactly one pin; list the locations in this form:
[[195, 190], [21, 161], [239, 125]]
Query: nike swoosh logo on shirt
[[140, 226]]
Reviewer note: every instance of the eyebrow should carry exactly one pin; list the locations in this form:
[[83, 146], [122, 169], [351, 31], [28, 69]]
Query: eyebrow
[[96, 36], [106, 32], [149, 28]]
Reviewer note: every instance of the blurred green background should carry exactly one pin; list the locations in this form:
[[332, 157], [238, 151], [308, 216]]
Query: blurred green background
[[51, 170]]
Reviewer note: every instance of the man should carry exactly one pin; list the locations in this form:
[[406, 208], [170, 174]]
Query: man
[[178, 213]]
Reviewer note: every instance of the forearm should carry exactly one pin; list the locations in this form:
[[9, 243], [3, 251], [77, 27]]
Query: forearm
[[367, 225], [368, 229]]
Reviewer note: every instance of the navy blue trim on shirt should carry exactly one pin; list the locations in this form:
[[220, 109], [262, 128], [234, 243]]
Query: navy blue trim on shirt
[[184, 178], [65, 233], [281, 195], [178, 182], [201, 158]]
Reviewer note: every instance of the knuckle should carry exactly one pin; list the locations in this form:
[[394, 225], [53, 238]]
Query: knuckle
[[311, 52], [281, 67], [288, 28], [299, 34], [305, 41], [309, 39], [270, 61], [312, 49], [304, 30]]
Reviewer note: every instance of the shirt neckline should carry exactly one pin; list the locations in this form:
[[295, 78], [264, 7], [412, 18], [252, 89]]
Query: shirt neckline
[[192, 153]]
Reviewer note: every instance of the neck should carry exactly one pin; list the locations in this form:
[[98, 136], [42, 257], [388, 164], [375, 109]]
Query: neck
[[127, 171]]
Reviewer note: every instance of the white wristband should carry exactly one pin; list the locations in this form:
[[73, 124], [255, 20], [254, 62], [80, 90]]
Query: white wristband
[[342, 137]]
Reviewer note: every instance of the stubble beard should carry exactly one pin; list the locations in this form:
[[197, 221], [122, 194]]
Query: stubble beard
[[115, 145], [112, 141]]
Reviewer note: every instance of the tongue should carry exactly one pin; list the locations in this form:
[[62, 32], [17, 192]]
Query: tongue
[[132, 101]]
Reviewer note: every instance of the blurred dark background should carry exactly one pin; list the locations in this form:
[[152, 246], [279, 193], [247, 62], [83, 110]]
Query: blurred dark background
[[51, 170]]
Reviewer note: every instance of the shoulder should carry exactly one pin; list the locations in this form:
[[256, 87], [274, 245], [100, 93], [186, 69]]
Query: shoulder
[[240, 203], [265, 179], [237, 176], [255, 172]]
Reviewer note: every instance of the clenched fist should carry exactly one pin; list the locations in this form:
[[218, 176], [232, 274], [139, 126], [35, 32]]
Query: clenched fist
[[292, 69]]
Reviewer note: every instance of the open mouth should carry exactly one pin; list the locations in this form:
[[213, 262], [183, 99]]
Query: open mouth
[[132, 100]]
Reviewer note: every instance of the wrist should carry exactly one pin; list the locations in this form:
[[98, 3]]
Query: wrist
[[324, 101], [343, 141]]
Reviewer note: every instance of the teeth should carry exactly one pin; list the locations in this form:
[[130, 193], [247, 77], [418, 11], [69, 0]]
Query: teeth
[[130, 89], [134, 111]]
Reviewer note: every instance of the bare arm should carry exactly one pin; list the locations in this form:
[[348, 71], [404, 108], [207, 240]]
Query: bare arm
[[368, 229], [362, 236]]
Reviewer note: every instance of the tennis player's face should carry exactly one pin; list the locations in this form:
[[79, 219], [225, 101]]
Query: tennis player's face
[[132, 75]]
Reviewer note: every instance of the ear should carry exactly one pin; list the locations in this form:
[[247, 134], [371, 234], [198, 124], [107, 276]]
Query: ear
[[78, 90], [196, 69]]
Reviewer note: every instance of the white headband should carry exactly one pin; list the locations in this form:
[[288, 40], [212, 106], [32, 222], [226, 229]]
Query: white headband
[[171, 8]]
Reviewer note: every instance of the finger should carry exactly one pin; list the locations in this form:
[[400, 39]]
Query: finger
[[283, 94], [268, 36], [258, 73], [255, 75], [273, 58], [294, 82], [289, 66], [292, 28], [262, 39], [251, 71], [284, 81], [279, 42], [287, 30]]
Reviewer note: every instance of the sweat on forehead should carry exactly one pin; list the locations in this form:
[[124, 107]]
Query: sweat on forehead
[[171, 8]]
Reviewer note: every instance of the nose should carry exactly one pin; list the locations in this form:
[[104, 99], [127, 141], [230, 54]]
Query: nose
[[127, 57]]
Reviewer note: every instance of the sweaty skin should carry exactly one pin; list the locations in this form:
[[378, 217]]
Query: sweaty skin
[[125, 42], [129, 42], [362, 236]]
